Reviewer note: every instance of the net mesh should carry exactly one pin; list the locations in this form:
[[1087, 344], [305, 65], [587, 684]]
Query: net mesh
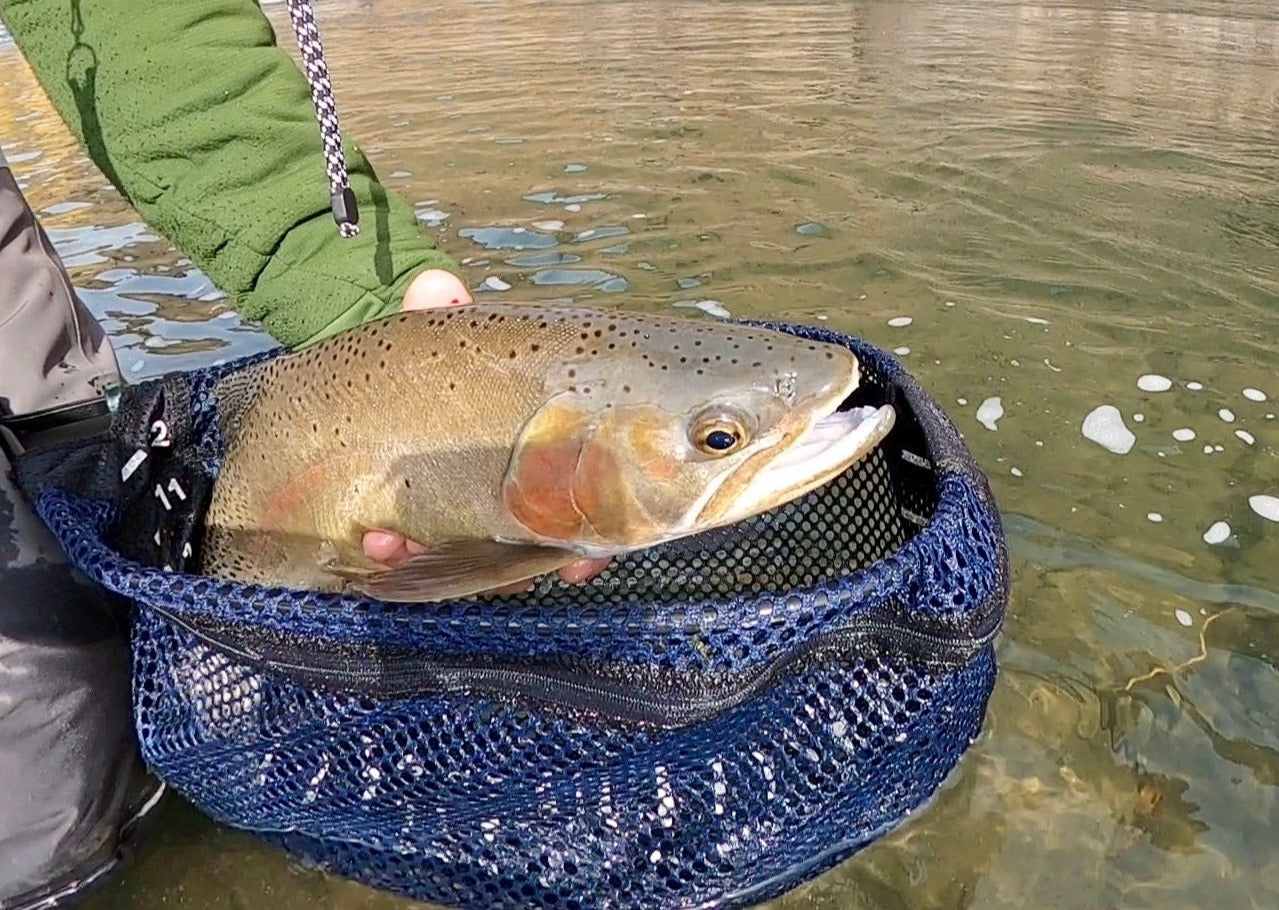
[[709, 721]]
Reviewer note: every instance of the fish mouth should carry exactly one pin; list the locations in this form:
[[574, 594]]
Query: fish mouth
[[833, 442]]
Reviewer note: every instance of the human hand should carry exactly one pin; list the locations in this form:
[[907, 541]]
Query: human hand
[[436, 288], [433, 289]]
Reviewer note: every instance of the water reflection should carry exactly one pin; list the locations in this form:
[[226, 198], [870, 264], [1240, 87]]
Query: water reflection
[[1044, 208]]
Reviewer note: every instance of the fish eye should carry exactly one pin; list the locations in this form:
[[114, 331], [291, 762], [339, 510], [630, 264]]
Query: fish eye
[[720, 440], [719, 434]]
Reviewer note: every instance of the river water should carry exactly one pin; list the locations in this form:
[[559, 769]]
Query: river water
[[1043, 208]]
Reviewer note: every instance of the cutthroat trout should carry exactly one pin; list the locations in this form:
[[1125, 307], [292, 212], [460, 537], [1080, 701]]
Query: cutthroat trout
[[514, 439]]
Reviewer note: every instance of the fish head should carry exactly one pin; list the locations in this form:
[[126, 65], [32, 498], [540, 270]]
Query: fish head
[[687, 430]]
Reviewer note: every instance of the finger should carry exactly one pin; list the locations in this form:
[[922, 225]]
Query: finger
[[436, 288], [384, 546], [583, 570]]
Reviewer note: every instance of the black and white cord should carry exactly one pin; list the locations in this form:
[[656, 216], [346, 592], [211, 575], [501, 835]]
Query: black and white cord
[[345, 211]]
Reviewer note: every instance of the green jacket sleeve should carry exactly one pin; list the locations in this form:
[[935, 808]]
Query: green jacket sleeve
[[207, 128]]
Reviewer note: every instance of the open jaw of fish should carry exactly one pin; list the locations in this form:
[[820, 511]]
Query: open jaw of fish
[[809, 456], [833, 443]]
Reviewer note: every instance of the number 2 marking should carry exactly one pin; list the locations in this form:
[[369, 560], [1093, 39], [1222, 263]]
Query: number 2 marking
[[160, 434]]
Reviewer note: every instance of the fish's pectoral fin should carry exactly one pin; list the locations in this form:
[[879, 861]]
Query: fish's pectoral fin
[[329, 558], [458, 569]]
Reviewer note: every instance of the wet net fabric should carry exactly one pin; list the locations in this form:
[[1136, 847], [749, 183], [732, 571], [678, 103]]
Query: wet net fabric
[[706, 723]]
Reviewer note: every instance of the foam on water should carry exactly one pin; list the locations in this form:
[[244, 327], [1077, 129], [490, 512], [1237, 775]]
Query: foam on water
[[1183, 434], [898, 322], [1154, 516], [1218, 533], [1195, 386], [1227, 415], [1153, 382], [1254, 394], [1246, 436], [989, 412], [1265, 505], [710, 307], [1183, 617], [1104, 425]]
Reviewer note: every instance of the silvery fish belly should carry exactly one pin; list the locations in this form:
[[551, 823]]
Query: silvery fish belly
[[512, 439]]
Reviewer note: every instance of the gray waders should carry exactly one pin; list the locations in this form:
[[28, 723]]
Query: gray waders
[[73, 789]]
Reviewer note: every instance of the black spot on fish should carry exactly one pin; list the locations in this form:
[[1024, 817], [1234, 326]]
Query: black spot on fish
[[572, 374]]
